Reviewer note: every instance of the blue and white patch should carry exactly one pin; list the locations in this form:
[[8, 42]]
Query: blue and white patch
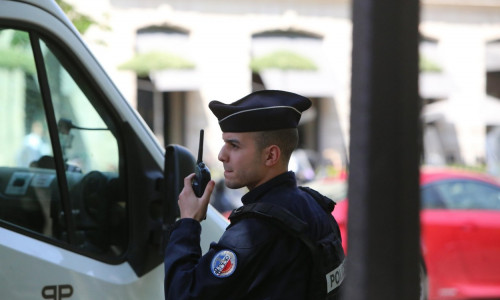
[[223, 264]]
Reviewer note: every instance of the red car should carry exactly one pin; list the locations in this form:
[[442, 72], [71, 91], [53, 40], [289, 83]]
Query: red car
[[460, 231]]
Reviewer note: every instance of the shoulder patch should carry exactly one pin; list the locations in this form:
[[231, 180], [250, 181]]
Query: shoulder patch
[[223, 263]]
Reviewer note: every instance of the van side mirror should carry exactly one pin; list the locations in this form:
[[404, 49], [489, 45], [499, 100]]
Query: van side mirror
[[179, 163]]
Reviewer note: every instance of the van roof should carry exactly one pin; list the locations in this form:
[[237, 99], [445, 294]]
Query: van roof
[[45, 4], [51, 7]]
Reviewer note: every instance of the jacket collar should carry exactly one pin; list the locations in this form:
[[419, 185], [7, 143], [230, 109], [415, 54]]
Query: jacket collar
[[253, 196]]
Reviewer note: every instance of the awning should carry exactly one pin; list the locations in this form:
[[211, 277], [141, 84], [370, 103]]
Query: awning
[[145, 63], [493, 57], [434, 85], [168, 72], [296, 62], [176, 80], [306, 83], [490, 110], [486, 110]]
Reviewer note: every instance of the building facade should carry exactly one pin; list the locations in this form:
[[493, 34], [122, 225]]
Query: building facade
[[221, 43]]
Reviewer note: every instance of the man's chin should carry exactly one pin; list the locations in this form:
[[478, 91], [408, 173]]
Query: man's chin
[[232, 185]]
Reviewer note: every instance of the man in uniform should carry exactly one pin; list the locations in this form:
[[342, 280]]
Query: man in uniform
[[254, 258]]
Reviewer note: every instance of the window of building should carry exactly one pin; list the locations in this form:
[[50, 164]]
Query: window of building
[[293, 61], [166, 72], [433, 82], [493, 69]]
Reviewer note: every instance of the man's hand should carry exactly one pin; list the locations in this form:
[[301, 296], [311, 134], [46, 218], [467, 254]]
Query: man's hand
[[191, 206]]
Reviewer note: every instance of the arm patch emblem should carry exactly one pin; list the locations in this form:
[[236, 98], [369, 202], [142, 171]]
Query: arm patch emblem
[[223, 263]]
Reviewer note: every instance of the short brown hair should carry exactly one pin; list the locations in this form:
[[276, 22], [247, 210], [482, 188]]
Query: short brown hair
[[286, 139]]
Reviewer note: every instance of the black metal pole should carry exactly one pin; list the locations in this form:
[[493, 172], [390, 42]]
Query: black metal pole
[[383, 249]]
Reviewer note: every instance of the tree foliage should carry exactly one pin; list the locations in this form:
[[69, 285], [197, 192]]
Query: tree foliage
[[81, 21], [144, 63], [282, 60]]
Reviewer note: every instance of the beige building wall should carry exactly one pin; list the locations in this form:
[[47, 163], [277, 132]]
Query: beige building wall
[[221, 39], [462, 30]]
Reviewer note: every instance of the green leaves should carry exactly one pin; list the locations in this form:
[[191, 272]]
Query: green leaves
[[144, 63], [82, 22], [427, 65], [282, 60], [12, 59]]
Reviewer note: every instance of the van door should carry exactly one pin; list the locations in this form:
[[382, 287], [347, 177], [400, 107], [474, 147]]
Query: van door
[[64, 201], [81, 176]]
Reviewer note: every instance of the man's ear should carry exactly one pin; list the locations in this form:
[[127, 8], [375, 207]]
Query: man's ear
[[272, 155]]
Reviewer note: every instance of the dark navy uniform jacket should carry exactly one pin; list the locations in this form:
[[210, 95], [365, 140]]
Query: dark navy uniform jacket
[[253, 259]]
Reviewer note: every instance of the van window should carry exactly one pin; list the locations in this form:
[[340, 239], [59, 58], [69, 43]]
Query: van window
[[50, 117]]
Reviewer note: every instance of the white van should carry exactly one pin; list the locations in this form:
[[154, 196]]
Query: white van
[[85, 189]]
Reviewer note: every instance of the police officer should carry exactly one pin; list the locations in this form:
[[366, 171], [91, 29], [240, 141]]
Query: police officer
[[254, 259]]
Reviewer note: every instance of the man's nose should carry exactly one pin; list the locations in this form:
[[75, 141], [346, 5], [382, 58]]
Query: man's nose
[[221, 156]]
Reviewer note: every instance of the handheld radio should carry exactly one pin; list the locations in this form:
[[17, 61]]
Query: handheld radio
[[201, 171]]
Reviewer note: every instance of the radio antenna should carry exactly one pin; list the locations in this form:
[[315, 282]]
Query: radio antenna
[[200, 148]]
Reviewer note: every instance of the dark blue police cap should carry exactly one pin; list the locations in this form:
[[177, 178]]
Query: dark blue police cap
[[261, 111]]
